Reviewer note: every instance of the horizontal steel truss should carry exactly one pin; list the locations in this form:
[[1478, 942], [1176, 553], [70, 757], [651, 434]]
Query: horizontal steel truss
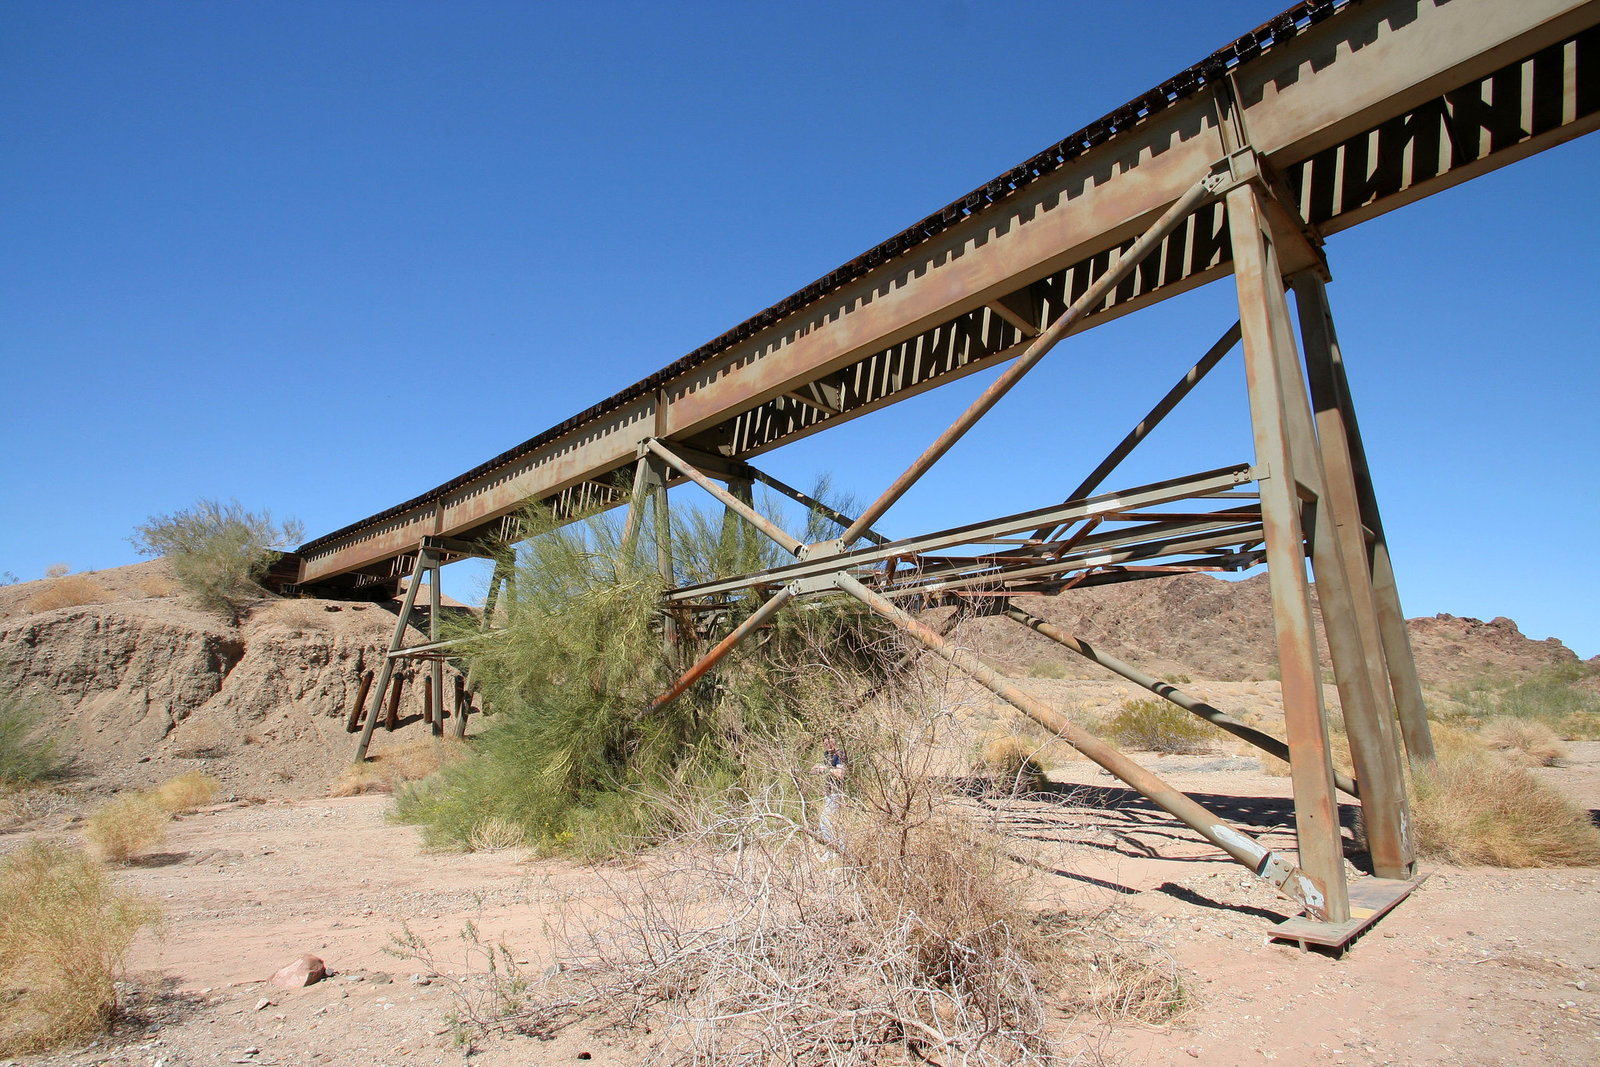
[[1224, 539]]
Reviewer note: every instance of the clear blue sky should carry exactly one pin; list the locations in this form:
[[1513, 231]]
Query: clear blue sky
[[321, 257]]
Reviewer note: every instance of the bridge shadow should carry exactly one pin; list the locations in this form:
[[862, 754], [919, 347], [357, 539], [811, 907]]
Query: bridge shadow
[[1118, 820]]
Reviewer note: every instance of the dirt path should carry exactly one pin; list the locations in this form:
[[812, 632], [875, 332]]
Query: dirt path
[[1478, 967]]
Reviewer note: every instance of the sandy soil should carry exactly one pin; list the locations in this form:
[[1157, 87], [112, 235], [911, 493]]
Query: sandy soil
[[1478, 967]]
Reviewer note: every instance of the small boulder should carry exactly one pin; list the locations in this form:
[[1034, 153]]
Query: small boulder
[[307, 970]]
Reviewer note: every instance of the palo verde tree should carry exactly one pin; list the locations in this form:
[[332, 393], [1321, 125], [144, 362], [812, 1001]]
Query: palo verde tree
[[219, 552]]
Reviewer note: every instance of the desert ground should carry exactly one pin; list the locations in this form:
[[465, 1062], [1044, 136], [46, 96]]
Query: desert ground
[[1477, 966]]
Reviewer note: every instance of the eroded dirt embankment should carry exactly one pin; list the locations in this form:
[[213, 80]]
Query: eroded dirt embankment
[[143, 687]]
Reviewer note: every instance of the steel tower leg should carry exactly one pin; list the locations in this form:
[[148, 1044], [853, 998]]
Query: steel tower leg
[[1268, 345], [1350, 611], [1330, 393]]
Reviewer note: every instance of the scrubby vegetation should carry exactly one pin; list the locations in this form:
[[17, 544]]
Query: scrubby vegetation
[[64, 931], [1473, 807], [1014, 764], [219, 552], [67, 591], [187, 791], [387, 770], [1158, 726], [1528, 742], [28, 752], [1566, 698], [127, 826], [907, 934], [586, 648]]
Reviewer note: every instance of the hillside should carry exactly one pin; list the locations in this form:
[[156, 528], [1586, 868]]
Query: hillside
[[144, 686]]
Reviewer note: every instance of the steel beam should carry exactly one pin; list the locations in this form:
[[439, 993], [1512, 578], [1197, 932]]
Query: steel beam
[[733, 503], [1263, 314], [1152, 419], [1220, 719], [1330, 393], [1293, 882]]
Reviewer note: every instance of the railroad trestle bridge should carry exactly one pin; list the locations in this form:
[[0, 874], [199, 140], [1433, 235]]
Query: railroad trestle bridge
[[1324, 117]]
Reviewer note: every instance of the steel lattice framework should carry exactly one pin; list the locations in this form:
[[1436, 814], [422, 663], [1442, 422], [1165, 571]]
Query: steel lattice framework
[[1326, 116]]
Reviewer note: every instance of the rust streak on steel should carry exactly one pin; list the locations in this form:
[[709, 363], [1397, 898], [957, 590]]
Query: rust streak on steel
[[1220, 719], [1294, 882]]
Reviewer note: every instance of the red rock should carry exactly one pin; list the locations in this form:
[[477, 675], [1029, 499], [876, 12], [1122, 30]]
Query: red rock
[[307, 970]]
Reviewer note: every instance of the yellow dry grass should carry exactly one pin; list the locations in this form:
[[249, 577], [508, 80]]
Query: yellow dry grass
[[187, 791], [386, 771], [68, 591], [1473, 808], [63, 934], [126, 826], [1014, 763], [1527, 742]]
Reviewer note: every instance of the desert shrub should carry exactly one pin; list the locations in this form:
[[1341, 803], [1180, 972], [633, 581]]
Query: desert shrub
[[67, 591], [218, 552], [297, 615], [1048, 668], [574, 741], [1528, 742], [1475, 808], [1176, 679], [187, 791], [360, 778], [1157, 726], [1565, 697], [1013, 763], [126, 826], [1117, 978], [910, 938], [63, 934], [28, 751]]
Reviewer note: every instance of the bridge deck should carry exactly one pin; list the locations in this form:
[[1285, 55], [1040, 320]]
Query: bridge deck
[[1359, 108]]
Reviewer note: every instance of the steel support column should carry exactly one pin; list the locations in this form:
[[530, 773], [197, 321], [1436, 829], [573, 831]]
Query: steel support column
[[1350, 616], [1336, 417], [1268, 344]]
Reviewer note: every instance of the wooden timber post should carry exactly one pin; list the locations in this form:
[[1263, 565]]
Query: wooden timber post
[[436, 667], [396, 643], [353, 722]]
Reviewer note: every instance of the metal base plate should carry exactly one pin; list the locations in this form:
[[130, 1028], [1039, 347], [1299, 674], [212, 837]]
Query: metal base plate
[[1370, 900]]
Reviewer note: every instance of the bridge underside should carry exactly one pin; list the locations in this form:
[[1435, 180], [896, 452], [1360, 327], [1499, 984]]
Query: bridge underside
[[1319, 120]]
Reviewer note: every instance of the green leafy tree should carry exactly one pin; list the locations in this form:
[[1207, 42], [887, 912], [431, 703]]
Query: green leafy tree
[[219, 552]]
